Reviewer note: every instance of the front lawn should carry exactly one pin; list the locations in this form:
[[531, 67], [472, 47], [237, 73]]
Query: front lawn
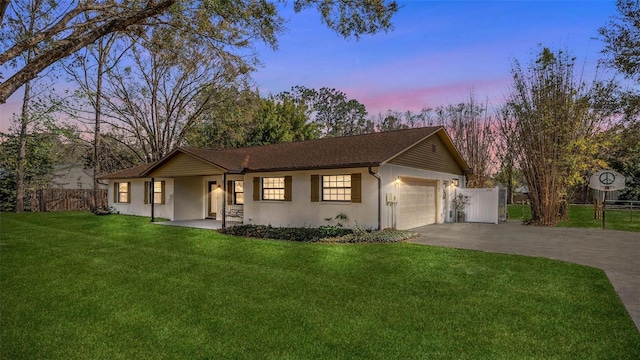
[[79, 286], [582, 216]]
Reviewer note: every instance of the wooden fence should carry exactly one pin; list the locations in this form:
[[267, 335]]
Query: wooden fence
[[65, 199]]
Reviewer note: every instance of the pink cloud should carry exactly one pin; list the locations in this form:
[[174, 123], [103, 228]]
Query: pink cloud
[[417, 98]]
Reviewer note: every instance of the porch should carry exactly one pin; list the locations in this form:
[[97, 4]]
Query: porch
[[209, 224], [208, 199], [200, 193]]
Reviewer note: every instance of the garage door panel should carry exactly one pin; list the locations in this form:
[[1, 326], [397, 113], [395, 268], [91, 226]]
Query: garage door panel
[[416, 203]]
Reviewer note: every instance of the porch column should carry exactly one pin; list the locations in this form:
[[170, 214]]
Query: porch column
[[151, 199], [224, 202]]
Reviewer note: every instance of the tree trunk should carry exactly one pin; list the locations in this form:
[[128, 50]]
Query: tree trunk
[[509, 171], [22, 149], [510, 191], [96, 129]]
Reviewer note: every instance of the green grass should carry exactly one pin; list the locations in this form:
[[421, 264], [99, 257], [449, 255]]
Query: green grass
[[79, 286], [518, 212], [582, 216]]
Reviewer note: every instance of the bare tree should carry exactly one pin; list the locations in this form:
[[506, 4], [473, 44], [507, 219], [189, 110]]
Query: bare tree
[[471, 128], [555, 129], [507, 149], [167, 89], [88, 69], [394, 120]]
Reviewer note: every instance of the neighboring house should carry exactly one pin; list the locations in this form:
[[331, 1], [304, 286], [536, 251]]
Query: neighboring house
[[73, 176], [521, 194], [399, 179]]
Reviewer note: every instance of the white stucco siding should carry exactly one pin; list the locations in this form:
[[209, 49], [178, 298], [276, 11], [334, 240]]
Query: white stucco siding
[[300, 211], [190, 198], [136, 206], [390, 173]]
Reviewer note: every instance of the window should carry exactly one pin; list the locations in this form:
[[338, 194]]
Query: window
[[235, 192], [238, 190], [157, 193], [121, 192], [344, 188], [273, 188], [336, 188]]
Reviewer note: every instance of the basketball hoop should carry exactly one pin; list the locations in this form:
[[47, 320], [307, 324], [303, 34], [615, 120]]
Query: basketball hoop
[[606, 180]]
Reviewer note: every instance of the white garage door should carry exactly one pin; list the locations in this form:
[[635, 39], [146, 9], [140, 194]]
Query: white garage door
[[416, 203]]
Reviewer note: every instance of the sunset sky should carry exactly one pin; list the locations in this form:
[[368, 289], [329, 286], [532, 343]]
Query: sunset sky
[[438, 52]]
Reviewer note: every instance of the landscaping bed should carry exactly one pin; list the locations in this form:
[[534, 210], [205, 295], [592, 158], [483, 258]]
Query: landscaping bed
[[327, 234]]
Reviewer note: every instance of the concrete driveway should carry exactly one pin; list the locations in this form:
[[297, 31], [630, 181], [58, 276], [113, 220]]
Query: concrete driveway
[[615, 252]]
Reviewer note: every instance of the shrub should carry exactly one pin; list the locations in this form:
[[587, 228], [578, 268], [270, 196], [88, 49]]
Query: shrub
[[285, 233], [332, 231], [103, 210], [327, 234], [363, 236]]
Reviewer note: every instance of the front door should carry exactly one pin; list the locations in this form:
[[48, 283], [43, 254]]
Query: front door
[[212, 207]]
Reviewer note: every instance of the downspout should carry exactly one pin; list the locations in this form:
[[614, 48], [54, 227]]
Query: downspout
[[151, 196], [377, 176]]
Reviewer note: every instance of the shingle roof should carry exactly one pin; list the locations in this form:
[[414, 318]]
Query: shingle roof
[[130, 173], [340, 152]]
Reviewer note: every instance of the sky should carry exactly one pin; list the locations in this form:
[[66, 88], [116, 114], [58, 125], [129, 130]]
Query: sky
[[437, 54]]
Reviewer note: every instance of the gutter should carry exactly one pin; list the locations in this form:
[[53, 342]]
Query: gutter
[[377, 176]]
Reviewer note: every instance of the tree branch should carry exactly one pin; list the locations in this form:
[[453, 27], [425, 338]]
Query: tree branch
[[71, 44]]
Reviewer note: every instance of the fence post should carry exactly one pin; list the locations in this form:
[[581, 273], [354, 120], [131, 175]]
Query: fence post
[[33, 201], [43, 204], [604, 212]]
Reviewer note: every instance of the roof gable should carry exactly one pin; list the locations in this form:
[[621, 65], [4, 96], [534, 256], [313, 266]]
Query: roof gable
[[429, 154], [183, 164]]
